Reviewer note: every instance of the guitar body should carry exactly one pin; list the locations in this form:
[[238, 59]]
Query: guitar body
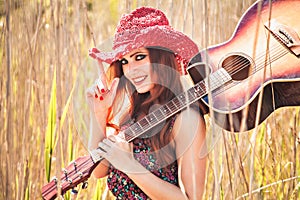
[[262, 57]]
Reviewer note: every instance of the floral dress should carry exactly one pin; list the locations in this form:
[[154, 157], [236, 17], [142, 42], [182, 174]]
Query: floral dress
[[123, 187]]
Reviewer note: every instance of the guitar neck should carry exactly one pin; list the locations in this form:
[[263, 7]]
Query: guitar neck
[[178, 103], [80, 170]]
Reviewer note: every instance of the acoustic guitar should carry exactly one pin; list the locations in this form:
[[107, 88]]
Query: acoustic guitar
[[262, 57]]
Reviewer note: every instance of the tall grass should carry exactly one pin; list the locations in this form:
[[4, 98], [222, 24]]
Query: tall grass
[[43, 47]]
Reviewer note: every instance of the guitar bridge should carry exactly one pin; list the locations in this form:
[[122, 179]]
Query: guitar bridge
[[285, 35]]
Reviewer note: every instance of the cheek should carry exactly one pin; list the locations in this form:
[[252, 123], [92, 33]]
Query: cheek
[[153, 76], [125, 71]]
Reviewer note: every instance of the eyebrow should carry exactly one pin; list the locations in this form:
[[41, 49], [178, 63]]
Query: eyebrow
[[136, 53]]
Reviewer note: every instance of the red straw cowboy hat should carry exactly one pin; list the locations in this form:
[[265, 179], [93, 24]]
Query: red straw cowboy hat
[[147, 27]]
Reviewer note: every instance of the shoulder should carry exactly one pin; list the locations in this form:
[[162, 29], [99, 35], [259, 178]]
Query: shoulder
[[189, 119], [188, 130]]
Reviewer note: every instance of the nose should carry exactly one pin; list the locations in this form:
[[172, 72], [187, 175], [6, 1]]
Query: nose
[[128, 68], [132, 66]]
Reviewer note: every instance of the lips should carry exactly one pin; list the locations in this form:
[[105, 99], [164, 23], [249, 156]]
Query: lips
[[139, 79]]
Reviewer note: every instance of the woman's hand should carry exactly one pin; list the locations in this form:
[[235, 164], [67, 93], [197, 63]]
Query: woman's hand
[[120, 155], [99, 95]]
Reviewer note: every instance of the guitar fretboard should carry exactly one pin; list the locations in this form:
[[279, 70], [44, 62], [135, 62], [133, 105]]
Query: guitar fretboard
[[181, 101], [178, 103]]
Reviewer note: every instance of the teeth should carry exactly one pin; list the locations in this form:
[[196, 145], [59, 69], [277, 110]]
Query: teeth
[[139, 79]]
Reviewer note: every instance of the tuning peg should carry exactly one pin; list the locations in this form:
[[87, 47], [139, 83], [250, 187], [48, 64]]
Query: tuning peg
[[74, 193], [84, 185], [55, 179]]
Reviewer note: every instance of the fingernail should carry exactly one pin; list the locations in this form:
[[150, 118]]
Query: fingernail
[[102, 90], [96, 96], [101, 98]]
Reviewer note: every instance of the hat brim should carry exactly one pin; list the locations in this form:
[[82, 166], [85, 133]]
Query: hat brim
[[155, 36]]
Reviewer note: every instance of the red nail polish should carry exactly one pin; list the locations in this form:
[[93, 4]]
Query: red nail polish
[[102, 90], [96, 96], [101, 98]]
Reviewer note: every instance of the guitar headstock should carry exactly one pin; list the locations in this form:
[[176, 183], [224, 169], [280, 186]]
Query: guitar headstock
[[75, 173]]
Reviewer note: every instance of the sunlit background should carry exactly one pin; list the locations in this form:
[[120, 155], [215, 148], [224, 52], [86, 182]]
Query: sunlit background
[[43, 47]]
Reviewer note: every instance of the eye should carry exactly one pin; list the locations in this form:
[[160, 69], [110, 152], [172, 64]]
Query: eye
[[140, 57], [124, 61]]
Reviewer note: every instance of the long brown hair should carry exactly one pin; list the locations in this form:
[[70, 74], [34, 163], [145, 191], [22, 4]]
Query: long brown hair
[[167, 87]]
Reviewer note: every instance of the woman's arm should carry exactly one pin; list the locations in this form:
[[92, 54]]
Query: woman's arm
[[190, 143], [97, 134], [189, 132], [100, 100]]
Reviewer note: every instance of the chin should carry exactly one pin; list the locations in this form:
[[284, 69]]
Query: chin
[[144, 89]]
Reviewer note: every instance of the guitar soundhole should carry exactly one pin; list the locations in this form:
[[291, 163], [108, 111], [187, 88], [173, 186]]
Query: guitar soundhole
[[237, 66]]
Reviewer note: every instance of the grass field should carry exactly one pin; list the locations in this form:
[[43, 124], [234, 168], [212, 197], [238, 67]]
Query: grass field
[[43, 49]]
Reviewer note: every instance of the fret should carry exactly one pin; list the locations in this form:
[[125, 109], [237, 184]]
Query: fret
[[202, 87], [144, 123], [172, 106], [136, 127], [207, 83], [128, 134], [159, 114], [165, 110], [193, 94], [198, 91], [217, 79], [182, 98], [177, 103], [225, 76], [151, 118]]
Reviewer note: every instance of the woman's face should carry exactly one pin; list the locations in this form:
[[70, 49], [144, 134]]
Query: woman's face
[[138, 70]]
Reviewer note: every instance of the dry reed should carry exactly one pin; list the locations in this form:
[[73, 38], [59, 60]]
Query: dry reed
[[43, 47]]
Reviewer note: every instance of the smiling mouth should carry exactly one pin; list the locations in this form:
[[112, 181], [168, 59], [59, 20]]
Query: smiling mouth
[[139, 79]]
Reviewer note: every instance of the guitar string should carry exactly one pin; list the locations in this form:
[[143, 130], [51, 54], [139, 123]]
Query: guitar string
[[258, 69], [261, 65], [187, 95], [233, 70], [161, 115], [278, 54], [75, 173], [238, 60], [238, 67]]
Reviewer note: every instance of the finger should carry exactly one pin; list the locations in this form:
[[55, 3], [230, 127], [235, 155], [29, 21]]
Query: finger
[[102, 74], [112, 138], [90, 92], [93, 52], [126, 146], [93, 92], [100, 86], [114, 86], [108, 142], [103, 147], [131, 147], [101, 71]]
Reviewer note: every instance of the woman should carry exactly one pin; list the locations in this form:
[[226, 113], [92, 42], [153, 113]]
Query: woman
[[145, 66]]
